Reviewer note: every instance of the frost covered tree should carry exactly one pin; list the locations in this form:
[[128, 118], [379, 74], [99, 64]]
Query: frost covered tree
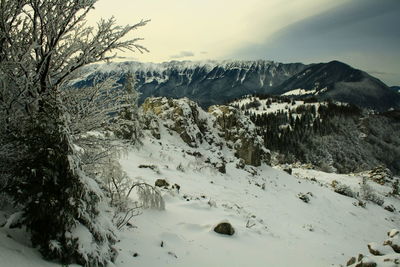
[[43, 44], [128, 126]]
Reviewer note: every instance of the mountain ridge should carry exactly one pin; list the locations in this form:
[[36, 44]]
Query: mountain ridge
[[217, 82]]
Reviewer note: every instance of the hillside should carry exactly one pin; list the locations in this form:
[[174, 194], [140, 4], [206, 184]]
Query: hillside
[[274, 214], [340, 82], [332, 136]]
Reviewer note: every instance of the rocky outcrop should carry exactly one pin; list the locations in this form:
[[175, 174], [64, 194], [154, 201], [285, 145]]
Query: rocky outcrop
[[222, 125], [241, 132], [380, 175], [179, 115]]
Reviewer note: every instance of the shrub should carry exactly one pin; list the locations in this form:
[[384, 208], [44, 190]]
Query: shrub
[[344, 190], [367, 193]]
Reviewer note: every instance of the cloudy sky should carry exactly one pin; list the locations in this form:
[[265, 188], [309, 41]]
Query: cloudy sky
[[362, 33]]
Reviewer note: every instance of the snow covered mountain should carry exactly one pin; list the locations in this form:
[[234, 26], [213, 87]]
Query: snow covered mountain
[[213, 82], [198, 160], [207, 83], [338, 81]]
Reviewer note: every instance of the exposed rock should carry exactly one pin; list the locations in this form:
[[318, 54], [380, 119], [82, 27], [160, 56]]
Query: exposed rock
[[366, 264], [304, 197], [351, 261], [161, 183], [241, 164], [380, 175], [393, 244], [152, 167], [374, 250], [172, 254], [288, 170], [390, 208], [177, 187], [194, 154], [179, 115], [221, 126], [224, 228], [392, 233], [242, 133], [221, 167], [380, 254]]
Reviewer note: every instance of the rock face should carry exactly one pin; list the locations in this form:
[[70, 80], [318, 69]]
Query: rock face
[[179, 115], [224, 228], [241, 132], [221, 126]]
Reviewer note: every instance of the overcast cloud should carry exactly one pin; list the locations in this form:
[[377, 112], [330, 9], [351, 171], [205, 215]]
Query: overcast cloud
[[183, 54], [362, 33]]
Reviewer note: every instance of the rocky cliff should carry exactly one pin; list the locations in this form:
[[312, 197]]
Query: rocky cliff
[[221, 127]]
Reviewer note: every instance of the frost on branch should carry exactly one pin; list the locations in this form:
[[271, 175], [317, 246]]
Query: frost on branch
[[43, 45]]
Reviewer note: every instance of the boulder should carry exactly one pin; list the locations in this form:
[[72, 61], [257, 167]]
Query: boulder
[[161, 183], [288, 170], [224, 228], [351, 261]]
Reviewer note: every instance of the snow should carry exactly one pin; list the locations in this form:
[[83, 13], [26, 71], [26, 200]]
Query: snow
[[326, 231], [133, 66], [15, 250], [299, 92], [273, 227], [274, 107]]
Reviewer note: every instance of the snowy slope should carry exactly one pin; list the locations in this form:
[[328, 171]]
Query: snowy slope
[[273, 227], [281, 229], [271, 105]]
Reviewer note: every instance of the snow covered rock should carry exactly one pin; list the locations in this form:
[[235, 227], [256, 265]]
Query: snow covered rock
[[161, 183], [380, 175], [381, 255], [351, 261], [179, 115], [379, 250], [239, 130], [390, 208], [304, 197], [392, 233], [222, 125]]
